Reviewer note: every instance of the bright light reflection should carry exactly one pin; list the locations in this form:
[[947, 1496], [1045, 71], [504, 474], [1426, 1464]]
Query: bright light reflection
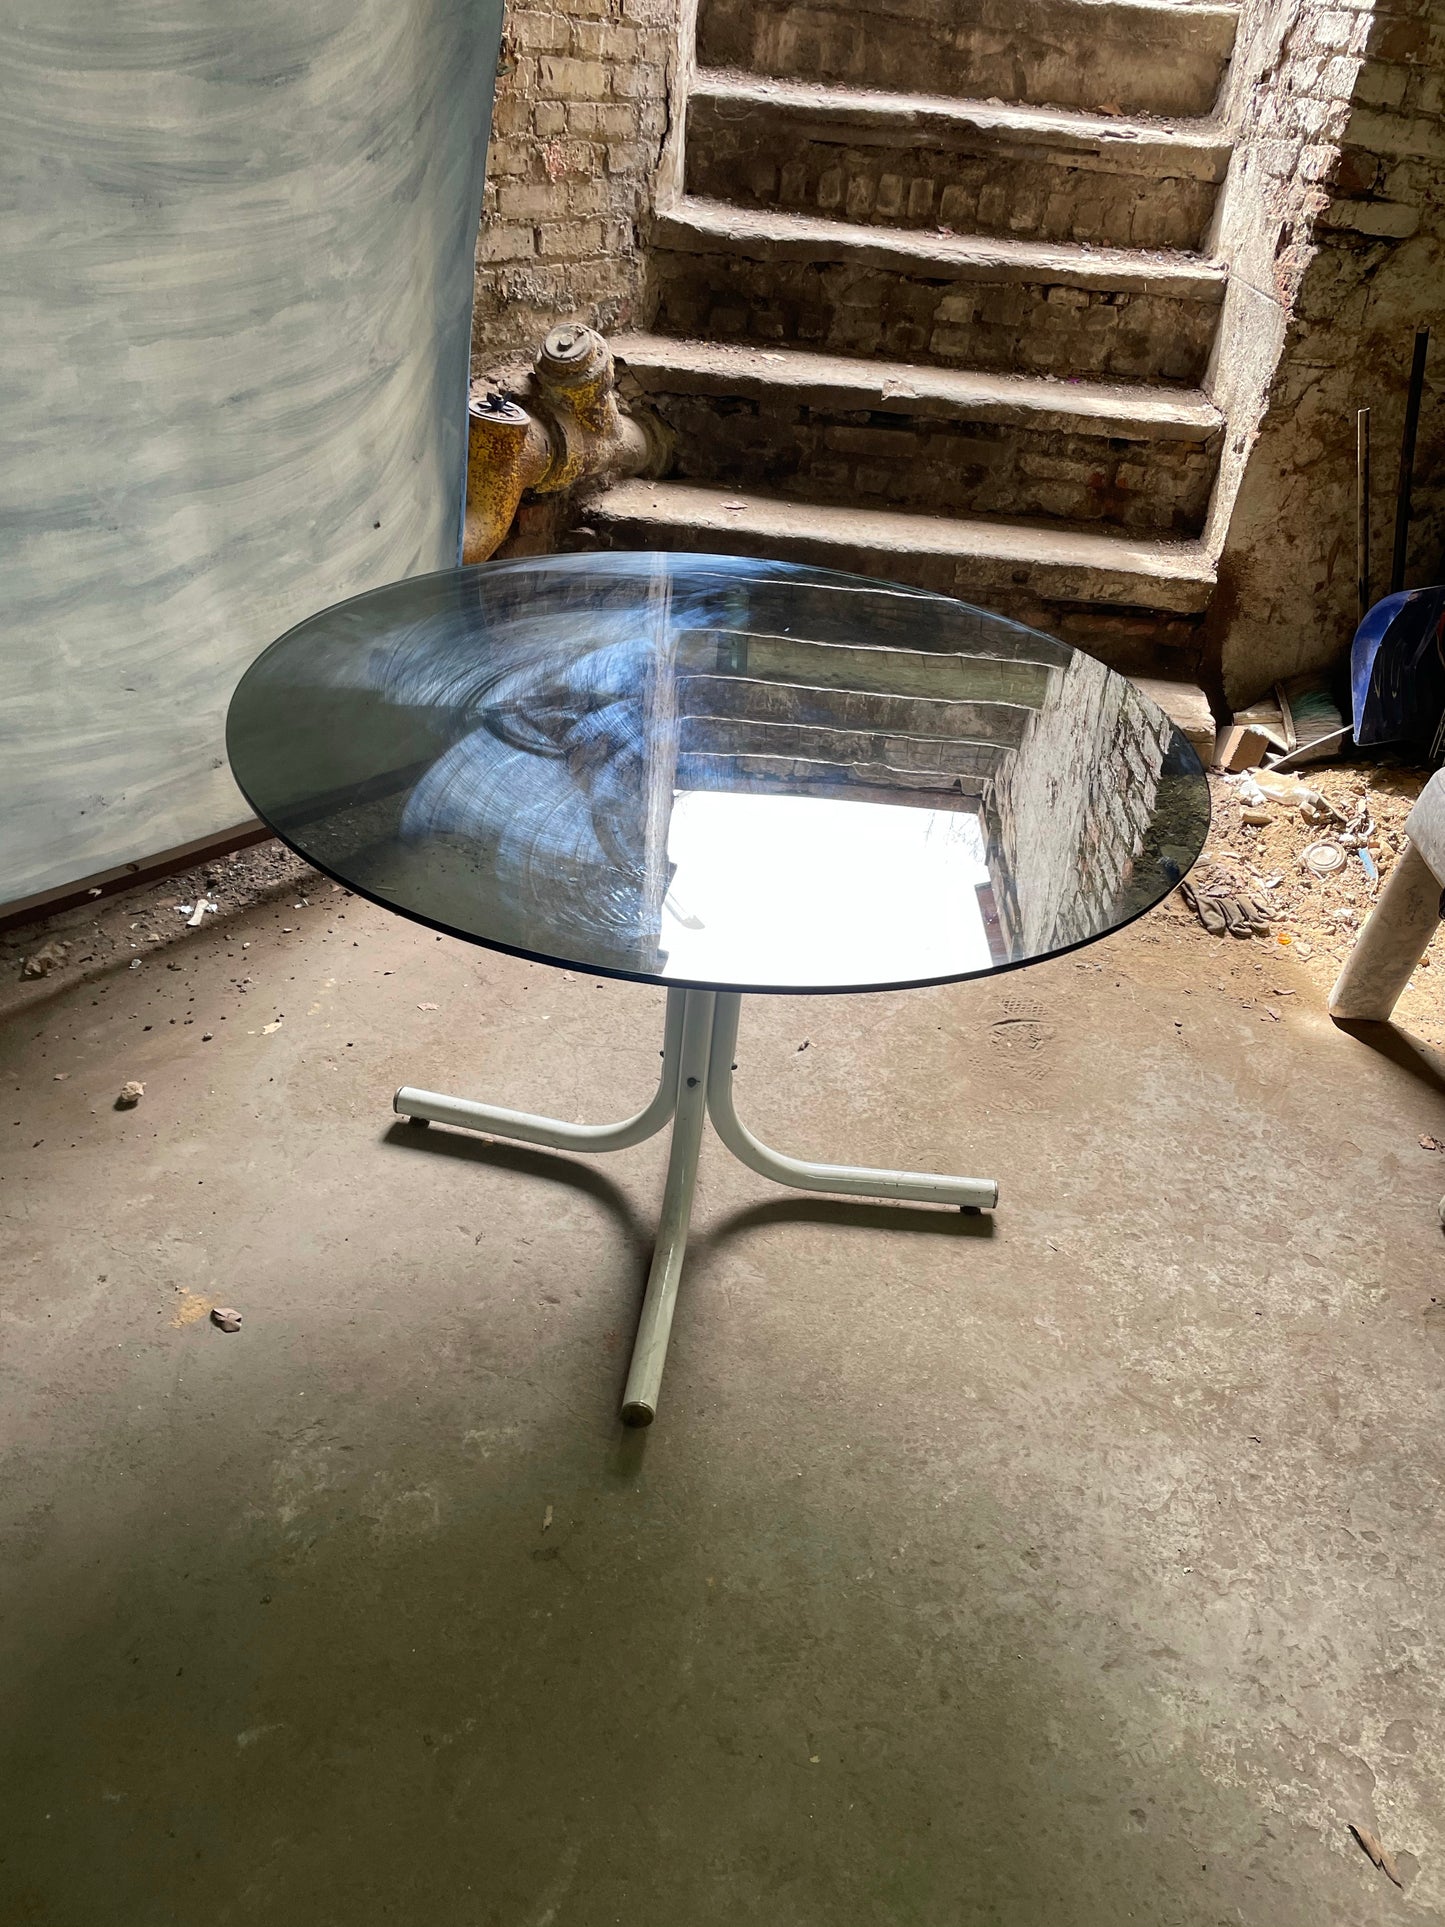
[[806, 889]]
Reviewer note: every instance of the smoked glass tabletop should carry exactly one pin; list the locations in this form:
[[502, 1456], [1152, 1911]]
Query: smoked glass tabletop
[[711, 771]]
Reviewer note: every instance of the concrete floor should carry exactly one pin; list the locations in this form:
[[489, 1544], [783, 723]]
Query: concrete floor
[[1082, 1567]]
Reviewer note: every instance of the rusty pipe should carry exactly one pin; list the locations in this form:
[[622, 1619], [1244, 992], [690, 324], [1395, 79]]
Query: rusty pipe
[[572, 430], [507, 453], [576, 383]]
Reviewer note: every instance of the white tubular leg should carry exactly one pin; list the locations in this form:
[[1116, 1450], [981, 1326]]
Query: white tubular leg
[[433, 1108], [1405, 917], [649, 1352], [851, 1180]]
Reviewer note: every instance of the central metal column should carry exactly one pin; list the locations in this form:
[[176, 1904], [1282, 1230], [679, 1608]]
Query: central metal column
[[699, 1044], [649, 1353]]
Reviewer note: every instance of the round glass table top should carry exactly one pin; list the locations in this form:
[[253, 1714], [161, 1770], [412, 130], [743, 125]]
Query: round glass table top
[[713, 771]]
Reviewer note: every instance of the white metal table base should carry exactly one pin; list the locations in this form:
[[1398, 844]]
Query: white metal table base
[[699, 1042]]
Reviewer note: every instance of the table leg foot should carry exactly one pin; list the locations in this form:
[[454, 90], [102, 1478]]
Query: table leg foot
[[921, 1187], [432, 1107], [649, 1352]]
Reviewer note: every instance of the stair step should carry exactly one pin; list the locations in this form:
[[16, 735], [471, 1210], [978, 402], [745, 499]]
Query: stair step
[[1139, 56], [716, 227], [905, 161], [1125, 599], [828, 428], [961, 394], [729, 273]]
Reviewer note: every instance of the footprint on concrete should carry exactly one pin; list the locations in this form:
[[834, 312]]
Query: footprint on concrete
[[1019, 1037]]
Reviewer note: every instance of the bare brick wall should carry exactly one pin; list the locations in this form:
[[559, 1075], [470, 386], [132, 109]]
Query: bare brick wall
[[858, 309], [577, 128], [1069, 811], [776, 161], [786, 443], [1375, 271]]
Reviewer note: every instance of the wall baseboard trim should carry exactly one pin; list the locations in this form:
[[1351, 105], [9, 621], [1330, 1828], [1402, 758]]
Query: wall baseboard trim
[[126, 876]]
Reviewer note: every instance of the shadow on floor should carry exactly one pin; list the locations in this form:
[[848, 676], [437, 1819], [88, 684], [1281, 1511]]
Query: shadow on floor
[[1422, 1062], [518, 1684]]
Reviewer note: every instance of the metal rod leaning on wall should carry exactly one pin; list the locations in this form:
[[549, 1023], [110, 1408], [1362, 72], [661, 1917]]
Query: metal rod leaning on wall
[[1362, 513], [1407, 460]]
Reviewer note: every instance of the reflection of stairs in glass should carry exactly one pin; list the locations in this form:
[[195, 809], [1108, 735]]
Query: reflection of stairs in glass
[[931, 303], [809, 716]]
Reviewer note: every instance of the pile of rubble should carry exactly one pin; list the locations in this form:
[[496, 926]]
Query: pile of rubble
[[1310, 850]]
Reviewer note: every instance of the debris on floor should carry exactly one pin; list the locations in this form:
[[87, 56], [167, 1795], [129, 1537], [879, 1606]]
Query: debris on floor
[[130, 1095], [41, 962], [107, 929], [224, 1316], [1315, 865], [1323, 858], [1240, 916], [1380, 1854]]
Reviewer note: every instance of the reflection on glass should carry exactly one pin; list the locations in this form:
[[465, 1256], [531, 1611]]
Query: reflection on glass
[[716, 770], [759, 878]]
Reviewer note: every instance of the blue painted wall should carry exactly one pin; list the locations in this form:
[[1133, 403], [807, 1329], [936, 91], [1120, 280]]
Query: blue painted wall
[[238, 239]]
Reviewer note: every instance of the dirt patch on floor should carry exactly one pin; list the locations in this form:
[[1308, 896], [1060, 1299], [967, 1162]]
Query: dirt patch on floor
[[1314, 919], [153, 920]]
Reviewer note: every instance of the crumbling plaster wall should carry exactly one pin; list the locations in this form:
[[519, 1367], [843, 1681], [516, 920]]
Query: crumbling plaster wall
[[1357, 232], [577, 131]]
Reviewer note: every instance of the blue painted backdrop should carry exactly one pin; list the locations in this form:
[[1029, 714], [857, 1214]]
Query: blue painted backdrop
[[235, 311]]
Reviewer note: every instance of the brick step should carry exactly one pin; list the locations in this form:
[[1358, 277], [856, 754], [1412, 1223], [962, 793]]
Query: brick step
[[979, 167], [1135, 602], [729, 274], [824, 428], [1131, 56]]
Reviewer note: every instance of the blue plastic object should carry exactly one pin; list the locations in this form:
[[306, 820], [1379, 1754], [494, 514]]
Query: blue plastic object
[[1397, 671]]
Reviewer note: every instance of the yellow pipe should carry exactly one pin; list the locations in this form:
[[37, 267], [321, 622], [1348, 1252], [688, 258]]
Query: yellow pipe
[[507, 453], [573, 431]]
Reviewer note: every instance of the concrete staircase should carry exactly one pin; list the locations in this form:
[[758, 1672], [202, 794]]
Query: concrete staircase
[[957, 336]]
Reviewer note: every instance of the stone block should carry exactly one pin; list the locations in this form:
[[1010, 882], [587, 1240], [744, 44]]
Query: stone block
[[1403, 40], [573, 239], [563, 78], [537, 32], [634, 83], [1332, 31], [628, 157], [505, 244], [1338, 79], [1383, 220], [920, 200], [859, 201], [958, 206], [526, 200], [511, 115], [1381, 86]]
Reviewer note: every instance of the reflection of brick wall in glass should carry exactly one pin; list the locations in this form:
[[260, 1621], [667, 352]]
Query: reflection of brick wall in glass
[[1070, 811]]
